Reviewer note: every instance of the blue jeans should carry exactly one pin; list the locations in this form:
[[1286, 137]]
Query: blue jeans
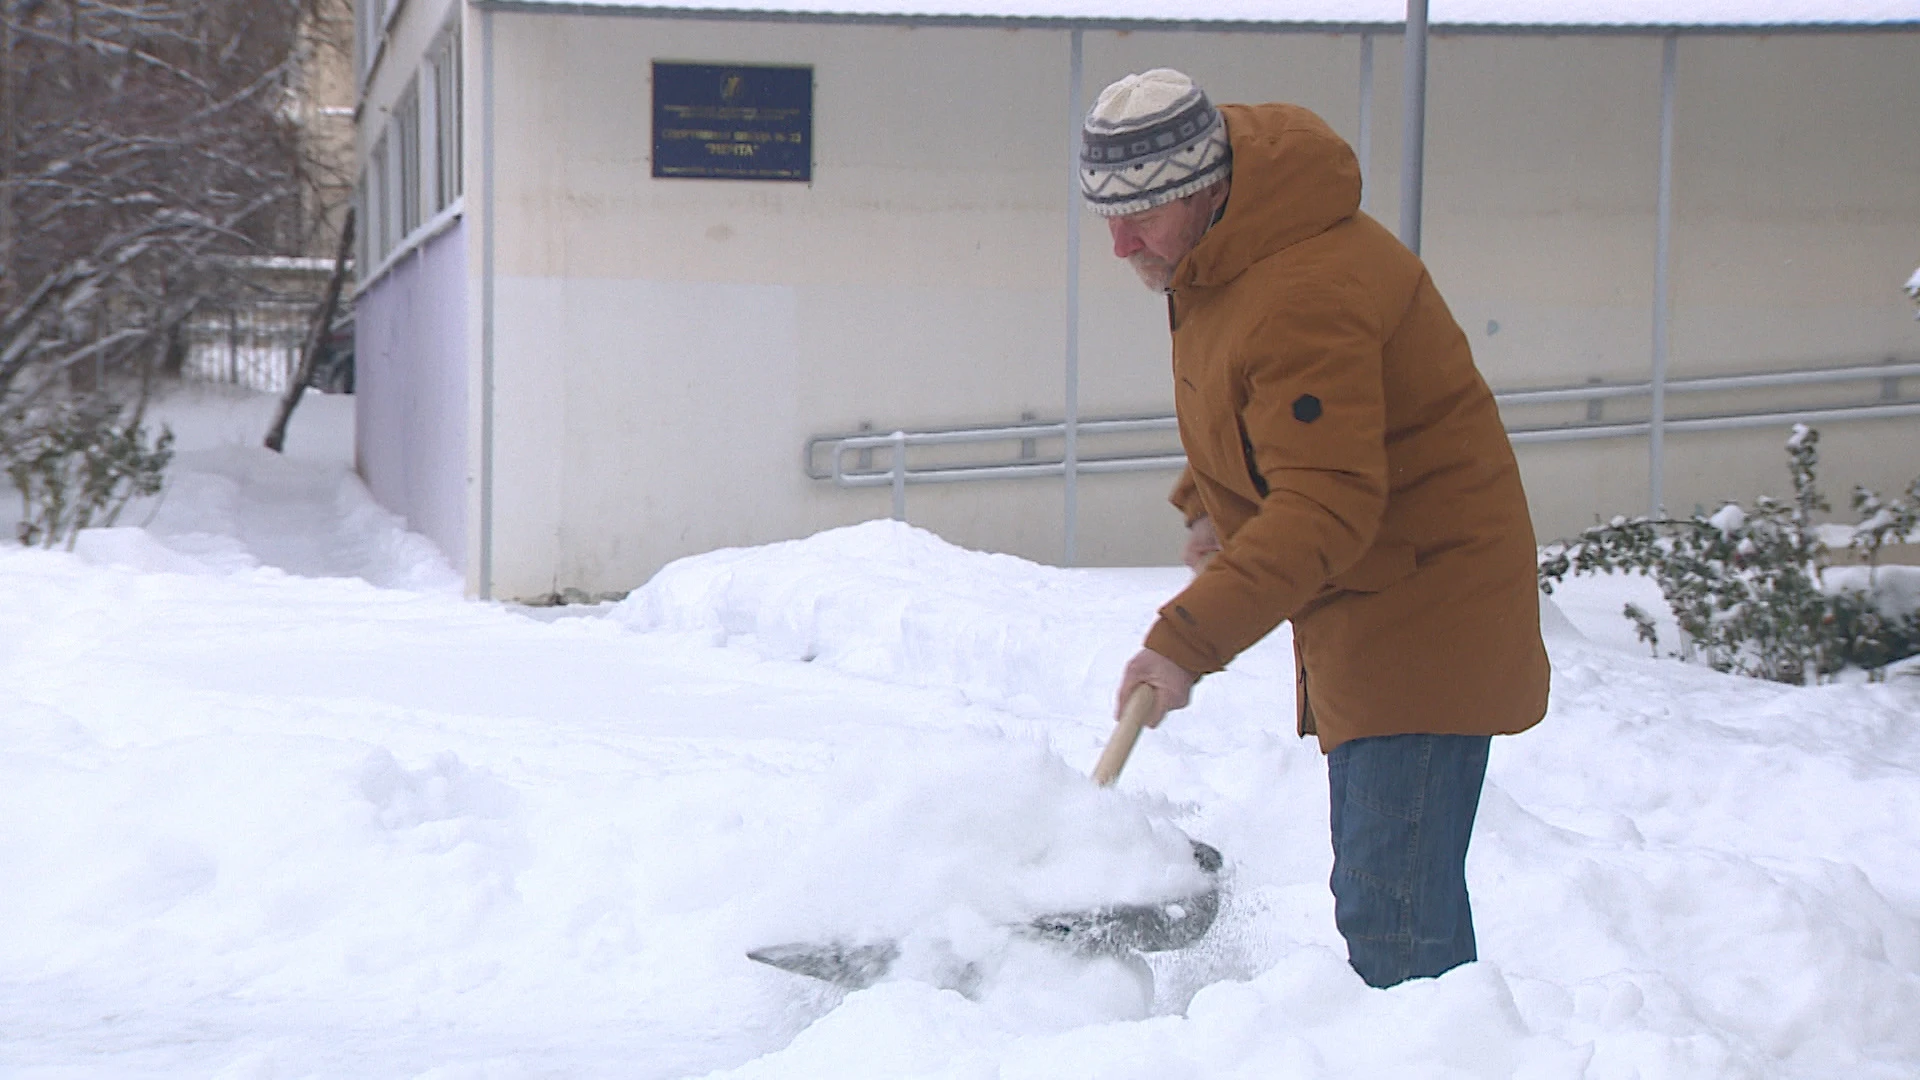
[[1402, 813]]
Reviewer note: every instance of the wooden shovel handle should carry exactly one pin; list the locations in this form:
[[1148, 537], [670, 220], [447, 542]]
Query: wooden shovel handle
[[1142, 706]]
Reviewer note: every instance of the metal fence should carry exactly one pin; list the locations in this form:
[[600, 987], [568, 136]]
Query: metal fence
[[257, 347], [255, 340]]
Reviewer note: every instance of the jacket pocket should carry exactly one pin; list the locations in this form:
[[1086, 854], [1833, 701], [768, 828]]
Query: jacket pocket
[[1386, 562], [1216, 448]]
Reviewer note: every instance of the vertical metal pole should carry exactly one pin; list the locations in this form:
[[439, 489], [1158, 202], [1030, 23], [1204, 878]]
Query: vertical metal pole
[[9, 146], [1413, 130], [1365, 150], [899, 476], [1663, 235], [488, 223], [1071, 453]]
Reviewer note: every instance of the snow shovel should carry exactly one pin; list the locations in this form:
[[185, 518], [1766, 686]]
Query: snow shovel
[[1121, 928]]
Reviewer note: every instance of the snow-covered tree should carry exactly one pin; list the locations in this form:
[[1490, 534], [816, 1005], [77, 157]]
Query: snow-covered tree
[[143, 145]]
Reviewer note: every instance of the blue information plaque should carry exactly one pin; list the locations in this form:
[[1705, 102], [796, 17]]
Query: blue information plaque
[[733, 122]]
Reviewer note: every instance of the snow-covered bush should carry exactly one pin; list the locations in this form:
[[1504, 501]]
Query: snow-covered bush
[[1751, 587], [79, 464]]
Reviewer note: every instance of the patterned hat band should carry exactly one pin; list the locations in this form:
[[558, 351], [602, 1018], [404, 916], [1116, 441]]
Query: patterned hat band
[[1129, 164]]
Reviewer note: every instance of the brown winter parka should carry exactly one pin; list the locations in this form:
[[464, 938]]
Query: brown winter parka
[[1351, 457]]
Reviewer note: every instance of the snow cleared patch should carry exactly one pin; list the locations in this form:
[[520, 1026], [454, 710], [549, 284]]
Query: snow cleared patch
[[231, 505], [236, 508], [281, 804]]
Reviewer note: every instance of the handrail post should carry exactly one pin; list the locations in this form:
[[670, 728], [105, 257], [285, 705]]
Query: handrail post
[[489, 310], [899, 476]]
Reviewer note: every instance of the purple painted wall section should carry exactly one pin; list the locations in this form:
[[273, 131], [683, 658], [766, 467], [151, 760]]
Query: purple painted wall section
[[410, 389]]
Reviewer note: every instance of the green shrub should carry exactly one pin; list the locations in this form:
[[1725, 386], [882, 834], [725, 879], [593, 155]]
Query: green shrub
[[1751, 588], [78, 465]]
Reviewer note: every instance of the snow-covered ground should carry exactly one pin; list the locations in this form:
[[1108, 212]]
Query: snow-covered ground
[[277, 803]]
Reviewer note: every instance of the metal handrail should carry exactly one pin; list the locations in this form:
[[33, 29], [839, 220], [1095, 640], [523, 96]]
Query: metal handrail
[[1025, 429], [1709, 383], [897, 474], [1721, 422]]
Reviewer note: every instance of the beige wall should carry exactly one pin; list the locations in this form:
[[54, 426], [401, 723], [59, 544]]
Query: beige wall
[[324, 93], [1795, 211], [1797, 216], [666, 347]]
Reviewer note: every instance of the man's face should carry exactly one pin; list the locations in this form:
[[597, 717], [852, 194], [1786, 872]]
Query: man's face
[[1154, 241]]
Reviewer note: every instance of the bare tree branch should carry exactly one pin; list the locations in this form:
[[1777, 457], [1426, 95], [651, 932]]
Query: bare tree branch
[[143, 154]]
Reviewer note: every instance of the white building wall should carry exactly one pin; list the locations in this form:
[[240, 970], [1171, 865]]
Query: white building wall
[[410, 393], [412, 316]]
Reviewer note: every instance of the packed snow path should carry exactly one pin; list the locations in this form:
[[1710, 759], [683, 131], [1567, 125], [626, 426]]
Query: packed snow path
[[279, 803]]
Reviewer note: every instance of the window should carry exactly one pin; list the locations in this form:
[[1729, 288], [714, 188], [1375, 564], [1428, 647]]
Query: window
[[369, 30], [413, 170], [363, 229], [379, 202], [442, 80], [406, 194]]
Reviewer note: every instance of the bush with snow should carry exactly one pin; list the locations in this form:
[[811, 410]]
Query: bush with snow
[[1753, 589], [78, 464]]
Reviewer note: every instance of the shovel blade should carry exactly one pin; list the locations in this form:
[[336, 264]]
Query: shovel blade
[[1117, 929], [854, 967], [1162, 927]]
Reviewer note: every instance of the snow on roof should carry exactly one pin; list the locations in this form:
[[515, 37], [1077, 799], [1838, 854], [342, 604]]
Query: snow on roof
[[1516, 13]]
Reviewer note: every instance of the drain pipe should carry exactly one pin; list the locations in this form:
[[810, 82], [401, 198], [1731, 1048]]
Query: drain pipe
[[1662, 315], [488, 222], [1071, 453], [1364, 151]]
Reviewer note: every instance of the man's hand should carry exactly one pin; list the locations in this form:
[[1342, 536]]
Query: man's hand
[[1171, 682], [1202, 542]]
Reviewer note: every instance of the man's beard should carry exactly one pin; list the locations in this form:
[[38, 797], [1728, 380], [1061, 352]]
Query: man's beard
[[1154, 272]]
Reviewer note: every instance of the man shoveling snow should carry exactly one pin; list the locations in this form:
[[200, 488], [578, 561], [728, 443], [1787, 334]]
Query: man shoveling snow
[[1348, 471]]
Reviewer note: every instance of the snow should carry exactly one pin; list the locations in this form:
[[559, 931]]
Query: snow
[[281, 803], [1440, 13], [1895, 589], [1728, 518]]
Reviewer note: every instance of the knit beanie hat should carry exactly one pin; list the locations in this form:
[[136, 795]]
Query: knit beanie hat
[[1151, 138]]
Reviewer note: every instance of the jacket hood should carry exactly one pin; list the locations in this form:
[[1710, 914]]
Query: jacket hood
[[1293, 179]]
